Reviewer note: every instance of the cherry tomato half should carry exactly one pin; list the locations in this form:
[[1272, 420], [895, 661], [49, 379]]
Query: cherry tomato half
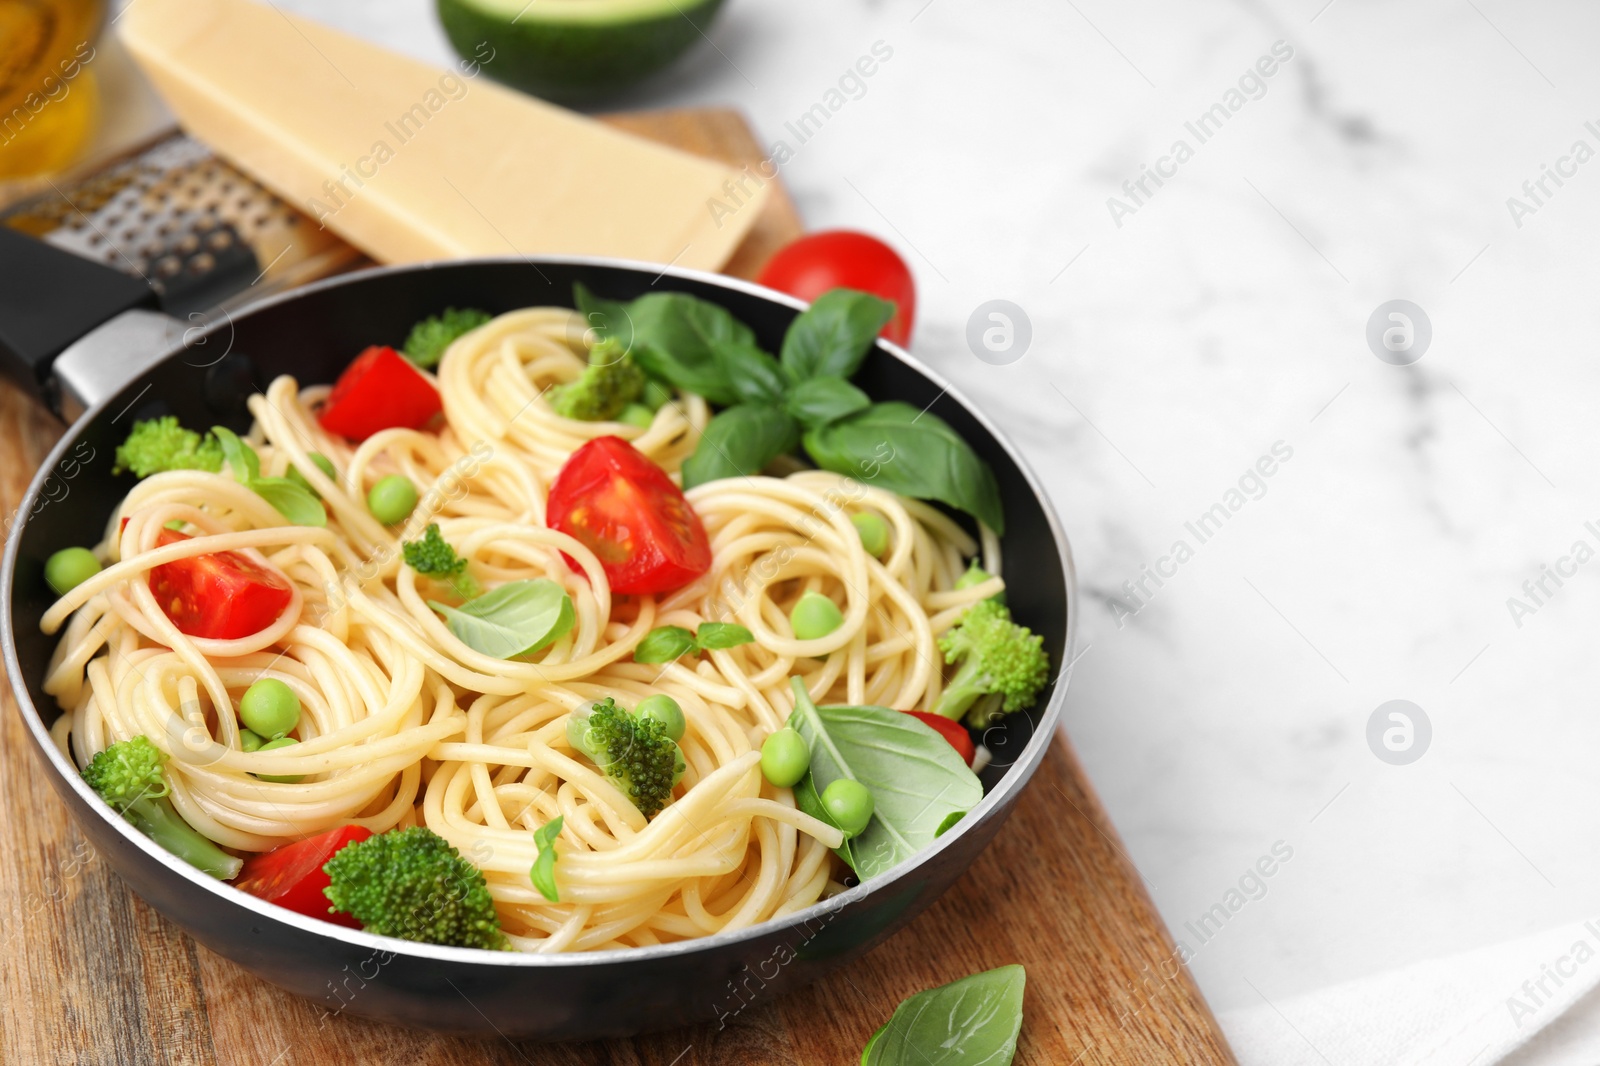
[[223, 596], [292, 877], [953, 731], [843, 258], [380, 390], [627, 511]]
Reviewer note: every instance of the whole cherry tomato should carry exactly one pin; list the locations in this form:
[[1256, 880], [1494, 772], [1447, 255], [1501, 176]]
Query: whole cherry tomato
[[842, 258]]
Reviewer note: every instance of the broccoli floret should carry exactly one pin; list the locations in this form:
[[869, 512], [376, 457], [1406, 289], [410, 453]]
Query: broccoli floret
[[159, 444], [1003, 665], [128, 776], [433, 557], [635, 753], [412, 884], [608, 384], [428, 339]]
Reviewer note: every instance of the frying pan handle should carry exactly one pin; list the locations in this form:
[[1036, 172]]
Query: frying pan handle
[[50, 299]]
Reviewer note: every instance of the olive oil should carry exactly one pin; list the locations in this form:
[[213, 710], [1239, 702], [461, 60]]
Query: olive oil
[[49, 102]]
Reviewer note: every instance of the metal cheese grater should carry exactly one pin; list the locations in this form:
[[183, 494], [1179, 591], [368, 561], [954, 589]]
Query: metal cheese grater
[[200, 233]]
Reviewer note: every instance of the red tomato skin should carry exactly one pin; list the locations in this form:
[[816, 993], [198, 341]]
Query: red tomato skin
[[626, 510], [380, 390], [291, 876], [843, 258], [953, 731], [221, 596]]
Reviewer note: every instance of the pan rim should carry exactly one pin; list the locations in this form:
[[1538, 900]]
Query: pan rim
[[1016, 778]]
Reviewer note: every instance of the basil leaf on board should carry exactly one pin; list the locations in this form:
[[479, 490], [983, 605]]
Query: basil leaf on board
[[291, 499], [740, 440], [664, 644], [971, 1022], [716, 636], [832, 336], [916, 778], [515, 619], [818, 401], [242, 459], [543, 872], [898, 447]]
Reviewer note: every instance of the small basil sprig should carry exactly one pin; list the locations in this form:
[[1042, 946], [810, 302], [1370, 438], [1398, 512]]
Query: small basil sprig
[[664, 644], [772, 406], [543, 872], [517, 618], [290, 499], [971, 1022]]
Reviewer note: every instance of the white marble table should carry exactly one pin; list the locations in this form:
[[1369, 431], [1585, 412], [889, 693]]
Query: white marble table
[[1177, 343]]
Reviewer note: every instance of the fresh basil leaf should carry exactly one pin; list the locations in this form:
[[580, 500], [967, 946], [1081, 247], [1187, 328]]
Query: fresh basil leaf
[[916, 778], [715, 636], [515, 619], [684, 341], [543, 873], [242, 459], [971, 1022], [664, 644], [608, 318], [740, 440], [818, 401], [753, 375], [832, 336], [898, 447], [291, 499], [949, 823]]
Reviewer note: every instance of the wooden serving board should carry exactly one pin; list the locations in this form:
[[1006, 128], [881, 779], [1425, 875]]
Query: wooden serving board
[[93, 975]]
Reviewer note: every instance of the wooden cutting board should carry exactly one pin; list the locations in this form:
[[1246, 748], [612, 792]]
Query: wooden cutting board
[[93, 975]]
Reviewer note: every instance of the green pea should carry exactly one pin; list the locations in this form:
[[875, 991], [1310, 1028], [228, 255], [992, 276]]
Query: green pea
[[656, 395], [288, 779], [322, 463], [874, 532], [664, 709], [250, 741], [849, 803], [270, 707], [392, 499], [785, 758], [815, 616], [637, 414], [69, 568]]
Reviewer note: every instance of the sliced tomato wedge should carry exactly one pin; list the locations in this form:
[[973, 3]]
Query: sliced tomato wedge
[[380, 390], [223, 596], [626, 510], [953, 731], [292, 877]]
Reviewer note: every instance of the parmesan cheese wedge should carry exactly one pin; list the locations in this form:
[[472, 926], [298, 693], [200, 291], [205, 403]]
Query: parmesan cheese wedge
[[410, 162]]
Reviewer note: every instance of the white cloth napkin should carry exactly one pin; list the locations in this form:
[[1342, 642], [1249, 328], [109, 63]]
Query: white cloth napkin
[[1472, 1009]]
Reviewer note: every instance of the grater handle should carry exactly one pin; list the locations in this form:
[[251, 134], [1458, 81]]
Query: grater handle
[[50, 298]]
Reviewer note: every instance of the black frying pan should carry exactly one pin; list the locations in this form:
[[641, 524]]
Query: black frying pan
[[204, 377]]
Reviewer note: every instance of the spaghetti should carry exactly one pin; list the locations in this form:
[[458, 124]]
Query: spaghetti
[[405, 724]]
